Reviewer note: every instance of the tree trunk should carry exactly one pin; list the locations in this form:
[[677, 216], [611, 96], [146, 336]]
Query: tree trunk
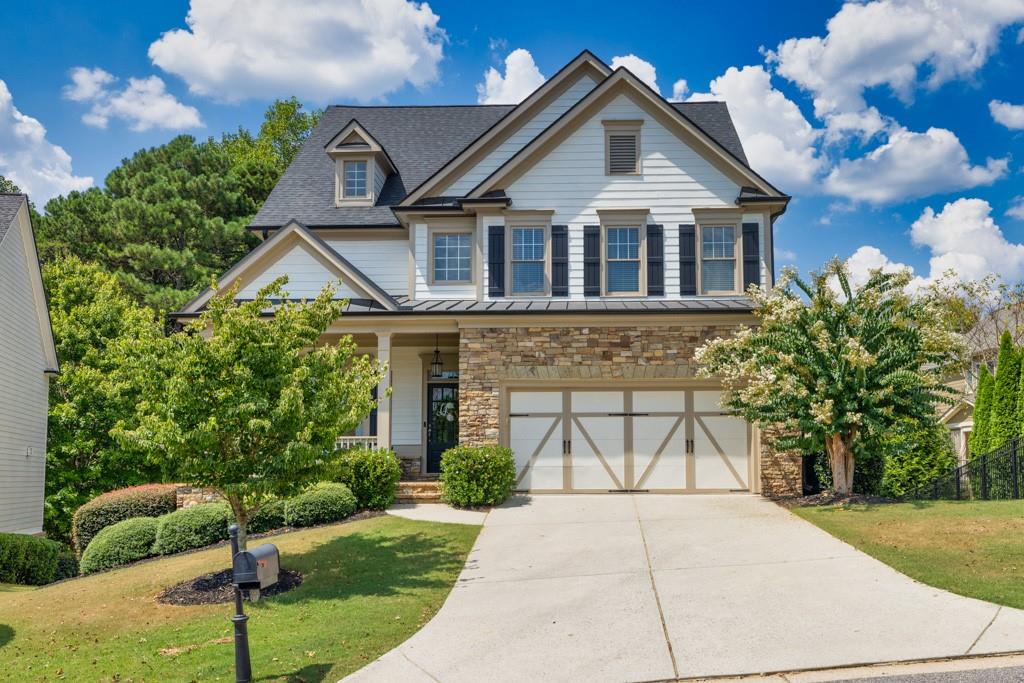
[[840, 455], [241, 517]]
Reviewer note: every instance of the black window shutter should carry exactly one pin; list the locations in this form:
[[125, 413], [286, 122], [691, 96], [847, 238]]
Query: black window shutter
[[373, 412], [751, 255], [496, 260], [559, 260], [687, 259], [592, 260], [655, 260]]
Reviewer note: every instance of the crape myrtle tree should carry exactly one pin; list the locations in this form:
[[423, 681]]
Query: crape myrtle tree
[[248, 404], [833, 367]]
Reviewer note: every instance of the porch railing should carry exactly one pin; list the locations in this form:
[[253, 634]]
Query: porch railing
[[996, 475], [344, 442]]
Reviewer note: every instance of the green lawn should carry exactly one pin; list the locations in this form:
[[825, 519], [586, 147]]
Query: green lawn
[[971, 548], [368, 586]]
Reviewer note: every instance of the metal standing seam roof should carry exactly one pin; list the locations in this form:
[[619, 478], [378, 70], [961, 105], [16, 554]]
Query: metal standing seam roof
[[420, 140], [9, 206]]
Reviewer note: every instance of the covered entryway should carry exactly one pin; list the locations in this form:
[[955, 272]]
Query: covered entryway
[[591, 439]]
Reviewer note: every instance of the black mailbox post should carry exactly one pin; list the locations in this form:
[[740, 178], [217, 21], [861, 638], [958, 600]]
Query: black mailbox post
[[251, 570]]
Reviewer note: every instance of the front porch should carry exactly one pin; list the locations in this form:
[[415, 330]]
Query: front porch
[[417, 411]]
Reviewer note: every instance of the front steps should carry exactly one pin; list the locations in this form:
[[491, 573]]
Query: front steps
[[418, 491]]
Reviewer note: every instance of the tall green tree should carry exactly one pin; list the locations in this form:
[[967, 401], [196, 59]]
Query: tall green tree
[[1003, 424], [285, 127], [834, 368], [251, 406], [980, 434], [8, 186], [101, 335]]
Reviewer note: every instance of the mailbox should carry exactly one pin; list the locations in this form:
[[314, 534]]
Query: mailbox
[[256, 568]]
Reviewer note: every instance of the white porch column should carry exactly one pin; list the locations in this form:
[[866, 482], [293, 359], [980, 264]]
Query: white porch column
[[383, 399]]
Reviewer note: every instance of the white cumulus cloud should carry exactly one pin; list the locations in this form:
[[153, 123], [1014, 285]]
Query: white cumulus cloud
[[143, 103], [868, 259], [641, 68], [779, 141], [28, 159], [1016, 208], [1010, 115], [313, 49], [521, 78], [911, 165], [898, 44], [679, 90]]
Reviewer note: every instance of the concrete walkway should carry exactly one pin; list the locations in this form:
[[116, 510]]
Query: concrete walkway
[[437, 512], [647, 588]]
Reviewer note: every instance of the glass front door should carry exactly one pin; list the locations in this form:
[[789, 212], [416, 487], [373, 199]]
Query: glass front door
[[442, 422]]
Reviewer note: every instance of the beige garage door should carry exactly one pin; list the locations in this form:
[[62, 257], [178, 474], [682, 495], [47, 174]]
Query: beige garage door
[[663, 439]]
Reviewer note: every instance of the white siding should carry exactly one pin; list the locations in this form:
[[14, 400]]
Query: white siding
[[571, 181], [424, 290], [306, 277], [517, 140], [386, 261], [407, 395], [23, 394]]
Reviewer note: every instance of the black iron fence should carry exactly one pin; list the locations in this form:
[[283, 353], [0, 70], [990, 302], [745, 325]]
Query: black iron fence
[[997, 475]]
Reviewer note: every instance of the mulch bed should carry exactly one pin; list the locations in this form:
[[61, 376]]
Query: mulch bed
[[832, 498], [216, 588]]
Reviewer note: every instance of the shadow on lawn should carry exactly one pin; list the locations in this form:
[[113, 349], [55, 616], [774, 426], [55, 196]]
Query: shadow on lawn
[[6, 634], [314, 673], [371, 564]]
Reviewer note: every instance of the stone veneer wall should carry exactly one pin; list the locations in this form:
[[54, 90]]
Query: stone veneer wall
[[488, 356]]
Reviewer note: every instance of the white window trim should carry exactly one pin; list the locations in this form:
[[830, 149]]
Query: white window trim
[[737, 228], [540, 219], [622, 127], [449, 229], [339, 181], [623, 218]]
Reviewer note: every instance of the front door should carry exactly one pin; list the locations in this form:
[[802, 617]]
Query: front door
[[442, 422]]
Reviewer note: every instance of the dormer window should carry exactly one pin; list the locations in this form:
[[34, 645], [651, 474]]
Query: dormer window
[[362, 166], [622, 147], [355, 179]]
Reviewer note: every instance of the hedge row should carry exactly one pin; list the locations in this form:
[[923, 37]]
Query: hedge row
[[477, 475], [198, 526], [150, 500], [28, 559]]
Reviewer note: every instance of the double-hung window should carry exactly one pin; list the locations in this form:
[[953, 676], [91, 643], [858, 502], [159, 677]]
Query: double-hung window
[[623, 260], [452, 257], [354, 179], [528, 271], [718, 259]]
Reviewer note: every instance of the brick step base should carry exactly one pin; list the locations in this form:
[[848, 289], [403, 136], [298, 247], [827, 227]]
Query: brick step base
[[418, 492]]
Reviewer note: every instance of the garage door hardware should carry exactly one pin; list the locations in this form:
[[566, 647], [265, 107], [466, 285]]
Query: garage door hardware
[[566, 447], [689, 445], [628, 414]]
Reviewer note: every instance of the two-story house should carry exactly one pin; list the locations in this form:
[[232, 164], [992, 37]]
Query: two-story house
[[538, 275]]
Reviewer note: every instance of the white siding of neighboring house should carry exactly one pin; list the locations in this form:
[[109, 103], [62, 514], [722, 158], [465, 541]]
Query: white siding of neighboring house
[[517, 140], [571, 181], [306, 277], [23, 394], [424, 290], [385, 261]]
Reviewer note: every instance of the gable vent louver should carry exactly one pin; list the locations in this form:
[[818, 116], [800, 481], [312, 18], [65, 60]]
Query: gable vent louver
[[622, 153]]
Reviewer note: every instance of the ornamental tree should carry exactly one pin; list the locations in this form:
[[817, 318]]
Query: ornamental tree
[[831, 367], [1003, 420], [982, 412], [249, 404]]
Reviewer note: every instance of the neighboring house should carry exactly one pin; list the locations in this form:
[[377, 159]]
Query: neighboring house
[[538, 275], [27, 360]]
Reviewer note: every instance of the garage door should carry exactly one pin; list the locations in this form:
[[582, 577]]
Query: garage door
[[626, 440]]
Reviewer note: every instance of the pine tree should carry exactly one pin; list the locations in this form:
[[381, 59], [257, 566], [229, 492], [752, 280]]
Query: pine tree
[[1002, 422], [982, 411]]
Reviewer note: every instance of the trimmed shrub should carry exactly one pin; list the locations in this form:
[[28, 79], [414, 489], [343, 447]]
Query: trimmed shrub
[[269, 516], [1002, 424], [477, 475], [193, 527], [150, 500], [980, 441], [322, 504], [371, 474], [123, 543], [28, 560], [67, 565]]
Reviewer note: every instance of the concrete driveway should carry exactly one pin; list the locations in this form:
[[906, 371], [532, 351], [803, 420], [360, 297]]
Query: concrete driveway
[[648, 587]]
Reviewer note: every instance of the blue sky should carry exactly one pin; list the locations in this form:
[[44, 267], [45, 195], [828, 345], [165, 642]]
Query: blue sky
[[875, 116]]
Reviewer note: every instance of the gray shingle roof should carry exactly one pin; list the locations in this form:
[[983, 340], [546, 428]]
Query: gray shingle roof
[[9, 205], [419, 141]]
